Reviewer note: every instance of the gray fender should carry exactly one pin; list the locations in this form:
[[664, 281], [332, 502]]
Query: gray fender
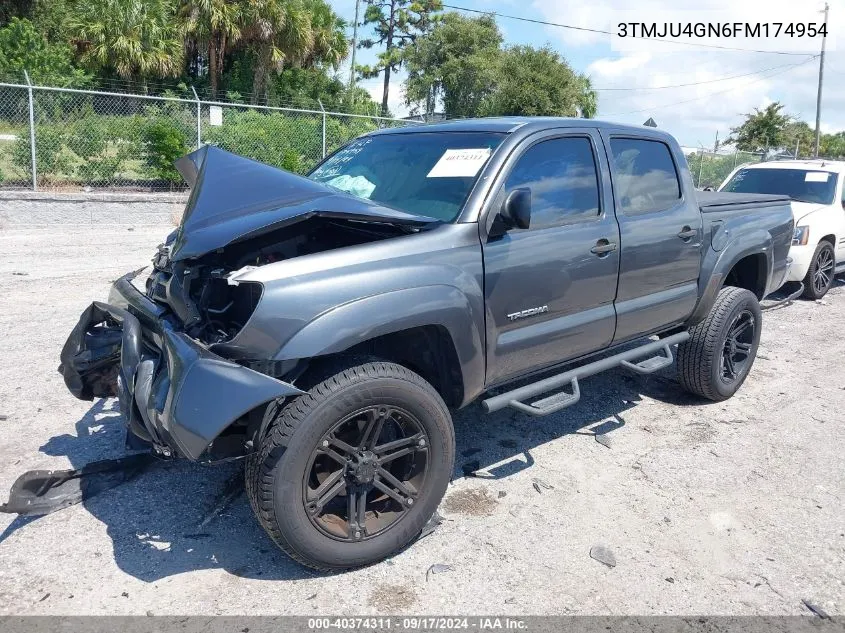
[[363, 319], [717, 265]]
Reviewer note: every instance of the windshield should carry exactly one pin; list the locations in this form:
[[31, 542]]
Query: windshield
[[424, 173], [802, 185]]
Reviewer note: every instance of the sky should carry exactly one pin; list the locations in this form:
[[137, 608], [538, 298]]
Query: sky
[[730, 83]]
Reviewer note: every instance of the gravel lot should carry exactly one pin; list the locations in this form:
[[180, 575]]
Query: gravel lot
[[732, 508]]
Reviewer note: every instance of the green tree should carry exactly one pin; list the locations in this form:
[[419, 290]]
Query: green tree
[[290, 33], [22, 47], [588, 100], [280, 32], [329, 45], [455, 63], [762, 130], [799, 134], [538, 82], [51, 18], [164, 142], [11, 9], [396, 23], [310, 87], [832, 145], [137, 39], [215, 25]]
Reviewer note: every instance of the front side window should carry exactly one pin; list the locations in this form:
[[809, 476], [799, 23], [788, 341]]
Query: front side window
[[645, 179], [801, 185], [561, 174], [424, 173]]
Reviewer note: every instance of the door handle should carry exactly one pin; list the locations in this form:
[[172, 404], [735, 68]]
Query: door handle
[[603, 247], [687, 233]]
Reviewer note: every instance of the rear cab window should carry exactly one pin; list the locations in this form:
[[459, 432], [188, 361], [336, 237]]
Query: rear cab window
[[645, 177]]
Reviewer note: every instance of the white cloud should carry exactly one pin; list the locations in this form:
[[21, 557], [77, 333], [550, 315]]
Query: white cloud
[[619, 67]]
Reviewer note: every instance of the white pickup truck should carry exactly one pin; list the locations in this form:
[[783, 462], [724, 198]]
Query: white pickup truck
[[818, 204]]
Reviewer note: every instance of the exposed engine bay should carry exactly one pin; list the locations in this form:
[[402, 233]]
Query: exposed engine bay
[[212, 308]]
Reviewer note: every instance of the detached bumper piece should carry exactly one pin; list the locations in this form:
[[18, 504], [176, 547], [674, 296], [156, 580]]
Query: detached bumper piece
[[174, 393], [39, 492]]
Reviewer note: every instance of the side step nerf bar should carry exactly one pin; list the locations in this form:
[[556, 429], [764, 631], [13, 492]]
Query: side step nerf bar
[[641, 359]]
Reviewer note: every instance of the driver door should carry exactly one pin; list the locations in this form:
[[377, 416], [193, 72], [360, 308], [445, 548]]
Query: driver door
[[549, 289]]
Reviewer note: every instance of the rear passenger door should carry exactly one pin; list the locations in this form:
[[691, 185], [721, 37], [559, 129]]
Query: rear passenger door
[[660, 233], [549, 289]]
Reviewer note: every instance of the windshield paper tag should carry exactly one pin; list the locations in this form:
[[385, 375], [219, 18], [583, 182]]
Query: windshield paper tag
[[460, 163], [816, 176]]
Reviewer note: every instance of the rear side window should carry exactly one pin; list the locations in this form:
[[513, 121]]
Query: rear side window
[[645, 175], [561, 174]]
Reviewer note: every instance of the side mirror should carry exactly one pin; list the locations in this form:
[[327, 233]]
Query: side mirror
[[516, 209]]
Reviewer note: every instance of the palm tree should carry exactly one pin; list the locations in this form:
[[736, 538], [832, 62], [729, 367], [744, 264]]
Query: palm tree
[[294, 33], [280, 31], [216, 26], [137, 39], [330, 45]]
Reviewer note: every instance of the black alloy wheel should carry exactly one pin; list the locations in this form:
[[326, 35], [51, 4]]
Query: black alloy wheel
[[365, 473], [349, 472], [736, 352], [720, 352]]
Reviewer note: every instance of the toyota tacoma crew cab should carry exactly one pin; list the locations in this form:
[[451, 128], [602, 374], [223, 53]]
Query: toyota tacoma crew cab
[[322, 328]]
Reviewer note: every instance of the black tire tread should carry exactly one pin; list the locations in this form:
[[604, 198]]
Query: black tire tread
[[260, 464], [697, 355]]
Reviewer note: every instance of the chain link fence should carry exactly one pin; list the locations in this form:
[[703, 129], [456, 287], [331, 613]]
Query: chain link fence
[[709, 169], [69, 139]]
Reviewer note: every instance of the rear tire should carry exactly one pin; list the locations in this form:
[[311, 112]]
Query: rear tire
[[820, 274], [716, 359], [310, 442]]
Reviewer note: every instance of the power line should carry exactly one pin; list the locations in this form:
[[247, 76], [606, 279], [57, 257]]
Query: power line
[[604, 32], [697, 83], [712, 94]]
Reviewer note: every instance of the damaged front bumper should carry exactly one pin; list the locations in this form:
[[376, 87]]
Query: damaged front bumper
[[174, 393]]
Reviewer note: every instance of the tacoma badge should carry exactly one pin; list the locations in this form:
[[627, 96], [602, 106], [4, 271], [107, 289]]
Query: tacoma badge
[[513, 316]]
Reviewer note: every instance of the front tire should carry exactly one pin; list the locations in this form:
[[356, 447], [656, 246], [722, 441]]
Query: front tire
[[716, 359], [350, 472], [820, 274]]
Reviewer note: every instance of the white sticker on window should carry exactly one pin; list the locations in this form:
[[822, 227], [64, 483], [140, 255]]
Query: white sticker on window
[[460, 163], [816, 176]]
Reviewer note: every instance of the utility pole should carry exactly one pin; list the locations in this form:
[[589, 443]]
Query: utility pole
[[821, 78], [354, 46]]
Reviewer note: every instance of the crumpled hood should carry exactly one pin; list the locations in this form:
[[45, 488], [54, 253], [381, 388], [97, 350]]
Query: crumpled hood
[[235, 198], [800, 210]]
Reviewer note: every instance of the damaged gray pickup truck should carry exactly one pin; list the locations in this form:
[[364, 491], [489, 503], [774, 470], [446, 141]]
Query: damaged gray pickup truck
[[324, 327]]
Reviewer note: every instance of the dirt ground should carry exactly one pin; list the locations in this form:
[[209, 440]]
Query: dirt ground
[[732, 508]]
